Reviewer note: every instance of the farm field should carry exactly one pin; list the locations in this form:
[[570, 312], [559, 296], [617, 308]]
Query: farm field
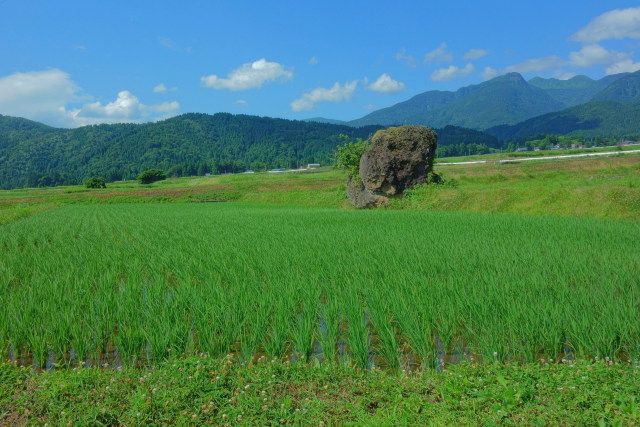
[[155, 279], [526, 276]]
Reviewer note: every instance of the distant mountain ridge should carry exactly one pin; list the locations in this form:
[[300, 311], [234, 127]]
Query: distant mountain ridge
[[506, 99], [613, 111], [576, 90]]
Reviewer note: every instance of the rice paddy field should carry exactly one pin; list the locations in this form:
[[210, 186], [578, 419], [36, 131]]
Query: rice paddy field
[[136, 283], [282, 306]]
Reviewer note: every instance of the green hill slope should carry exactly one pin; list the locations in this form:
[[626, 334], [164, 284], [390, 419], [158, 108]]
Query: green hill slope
[[595, 118], [185, 145], [623, 89]]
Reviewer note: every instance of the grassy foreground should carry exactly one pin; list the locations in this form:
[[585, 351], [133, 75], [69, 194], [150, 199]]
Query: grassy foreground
[[198, 390]]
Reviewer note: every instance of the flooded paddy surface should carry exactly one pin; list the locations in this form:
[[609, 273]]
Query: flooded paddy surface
[[122, 285]]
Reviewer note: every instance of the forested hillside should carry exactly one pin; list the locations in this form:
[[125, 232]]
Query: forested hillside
[[624, 89], [593, 119], [32, 154]]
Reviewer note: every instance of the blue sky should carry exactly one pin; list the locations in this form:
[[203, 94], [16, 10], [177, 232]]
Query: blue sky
[[73, 63]]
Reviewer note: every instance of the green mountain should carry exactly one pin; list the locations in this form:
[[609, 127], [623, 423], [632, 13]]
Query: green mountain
[[32, 154], [506, 99], [574, 91], [594, 118], [626, 88]]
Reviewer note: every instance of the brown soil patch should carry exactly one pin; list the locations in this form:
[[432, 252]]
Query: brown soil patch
[[161, 192]]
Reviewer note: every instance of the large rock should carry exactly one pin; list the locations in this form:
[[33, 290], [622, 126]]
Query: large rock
[[399, 158]]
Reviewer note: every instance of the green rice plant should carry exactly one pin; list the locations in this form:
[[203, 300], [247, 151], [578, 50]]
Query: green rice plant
[[129, 338], [306, 324], [357, 336], [277, 340], [81, 340], [253, 334], [329, 329], [208, 321], [101, 321], [4, 334], [415, 317], [447, 324], [38, 346], [385, 329]]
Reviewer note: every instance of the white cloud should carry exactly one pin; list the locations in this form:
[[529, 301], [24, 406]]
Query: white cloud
[[45, 96], [626, 66], [488, 73], [438, 55], [37, 95], [451, 73], [588, 56], [126, 108], [407, 59], [313, 60], [162, 88], [615, 24], [594, 54], [248, 76], [535, 65], [474, 54], [242, 102], [385, 84], [369, 107], [337, 93]]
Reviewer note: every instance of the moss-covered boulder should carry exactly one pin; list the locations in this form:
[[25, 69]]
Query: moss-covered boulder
[[399, 158]]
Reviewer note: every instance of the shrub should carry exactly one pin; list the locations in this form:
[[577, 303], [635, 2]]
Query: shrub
[[151, 175], [347, 156], [95, 182]]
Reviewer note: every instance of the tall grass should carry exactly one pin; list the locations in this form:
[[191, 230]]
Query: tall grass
[[145, 282]]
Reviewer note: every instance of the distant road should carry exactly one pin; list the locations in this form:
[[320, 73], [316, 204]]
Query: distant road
[[608, 153]]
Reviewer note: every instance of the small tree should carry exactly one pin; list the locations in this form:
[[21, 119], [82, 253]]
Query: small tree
[[348, 155], [95, 182], [151, 175]]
